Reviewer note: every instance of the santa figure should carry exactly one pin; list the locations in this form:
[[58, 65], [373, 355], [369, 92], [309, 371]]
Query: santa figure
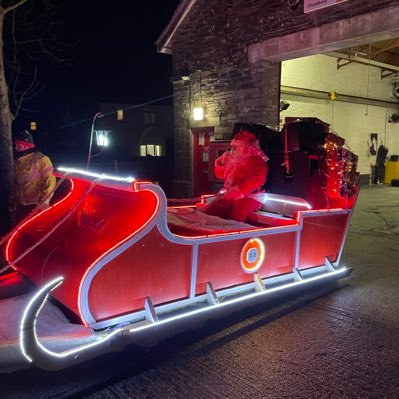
[[244, 170]]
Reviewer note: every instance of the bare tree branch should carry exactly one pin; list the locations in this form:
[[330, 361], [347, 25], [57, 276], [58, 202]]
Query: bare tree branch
[[24, 95], [14, 6], [14, 39], [29, 39]]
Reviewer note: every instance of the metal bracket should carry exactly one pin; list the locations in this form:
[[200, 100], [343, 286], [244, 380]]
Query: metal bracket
[[259, 284], [297, 274], [150, 312], [329, 265], [212, 298], [341, 62], [386, 73]]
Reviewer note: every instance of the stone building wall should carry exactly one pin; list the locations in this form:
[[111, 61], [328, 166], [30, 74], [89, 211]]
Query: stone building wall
[[214, 39]]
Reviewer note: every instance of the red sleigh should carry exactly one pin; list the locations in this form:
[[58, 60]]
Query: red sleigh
[[112, 252]]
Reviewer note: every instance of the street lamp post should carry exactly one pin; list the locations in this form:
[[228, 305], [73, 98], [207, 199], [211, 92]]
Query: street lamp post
[[97, 115]]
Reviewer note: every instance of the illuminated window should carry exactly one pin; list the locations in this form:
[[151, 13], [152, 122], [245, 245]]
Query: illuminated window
[[154, 150], [33, 126], [149, 118], [119, 115]]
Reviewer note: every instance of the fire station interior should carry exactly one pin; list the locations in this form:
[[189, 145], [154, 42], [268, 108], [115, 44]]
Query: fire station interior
[[355, 91]]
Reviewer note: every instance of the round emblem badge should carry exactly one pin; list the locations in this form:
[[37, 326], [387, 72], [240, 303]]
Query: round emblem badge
[[252, 255]]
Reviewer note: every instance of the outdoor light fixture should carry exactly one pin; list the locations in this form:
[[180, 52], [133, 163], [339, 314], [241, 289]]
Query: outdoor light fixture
[[198, 113], [102, 138], [284, 105], [97, 115]]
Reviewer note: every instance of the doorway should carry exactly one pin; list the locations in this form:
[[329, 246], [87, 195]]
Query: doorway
[[201, 140]]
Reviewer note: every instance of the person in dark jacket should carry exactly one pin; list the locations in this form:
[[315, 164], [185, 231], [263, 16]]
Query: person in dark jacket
[[380, 164]]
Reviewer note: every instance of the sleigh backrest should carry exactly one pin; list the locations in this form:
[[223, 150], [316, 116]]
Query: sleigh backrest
[[284, 205]]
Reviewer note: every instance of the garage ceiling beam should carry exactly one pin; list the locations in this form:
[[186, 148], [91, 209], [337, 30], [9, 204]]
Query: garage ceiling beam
[[325, 95]]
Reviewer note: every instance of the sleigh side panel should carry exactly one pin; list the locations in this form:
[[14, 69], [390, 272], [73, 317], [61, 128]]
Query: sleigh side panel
[[153, 267], [322, 236], [223, 263]]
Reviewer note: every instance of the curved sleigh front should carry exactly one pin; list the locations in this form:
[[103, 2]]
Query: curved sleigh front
[[68, 239]]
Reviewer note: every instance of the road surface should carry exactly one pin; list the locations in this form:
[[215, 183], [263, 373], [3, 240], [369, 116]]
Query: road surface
[[340, 342]]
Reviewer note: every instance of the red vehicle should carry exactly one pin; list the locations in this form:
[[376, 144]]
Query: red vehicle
[[114, 254]]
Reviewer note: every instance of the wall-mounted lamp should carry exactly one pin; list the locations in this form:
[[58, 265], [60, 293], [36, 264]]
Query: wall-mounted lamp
[[198, 113], [284, 105]]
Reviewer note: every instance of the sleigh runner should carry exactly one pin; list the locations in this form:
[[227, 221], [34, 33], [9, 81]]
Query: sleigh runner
[[115, 255]]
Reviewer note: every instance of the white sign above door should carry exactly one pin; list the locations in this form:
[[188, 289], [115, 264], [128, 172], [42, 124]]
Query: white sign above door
[[313, 5]]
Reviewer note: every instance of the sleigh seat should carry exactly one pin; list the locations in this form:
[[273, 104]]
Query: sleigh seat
[[191, 223]]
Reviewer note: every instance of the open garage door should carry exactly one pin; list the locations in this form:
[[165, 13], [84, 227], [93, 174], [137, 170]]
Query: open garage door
[[356, 91]]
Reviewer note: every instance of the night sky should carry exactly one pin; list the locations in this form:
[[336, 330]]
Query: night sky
[[113, 59]]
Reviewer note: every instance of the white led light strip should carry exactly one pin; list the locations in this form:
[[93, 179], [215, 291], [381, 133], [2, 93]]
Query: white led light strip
[[102, 176], [23, 327], [56, 282], [306, 205], [240, 299]]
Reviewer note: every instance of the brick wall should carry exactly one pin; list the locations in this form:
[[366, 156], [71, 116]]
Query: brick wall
[[214, 38]]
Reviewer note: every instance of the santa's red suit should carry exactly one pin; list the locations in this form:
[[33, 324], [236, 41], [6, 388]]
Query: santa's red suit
[[244, 171]]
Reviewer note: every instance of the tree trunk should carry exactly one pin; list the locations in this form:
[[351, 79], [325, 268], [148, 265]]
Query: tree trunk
[[6, 155]]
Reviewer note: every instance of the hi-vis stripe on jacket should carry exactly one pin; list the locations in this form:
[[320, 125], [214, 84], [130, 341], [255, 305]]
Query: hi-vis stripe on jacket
[[34, 178]]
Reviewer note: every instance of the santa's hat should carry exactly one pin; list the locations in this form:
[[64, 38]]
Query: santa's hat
[[23, 141], [243, 137]]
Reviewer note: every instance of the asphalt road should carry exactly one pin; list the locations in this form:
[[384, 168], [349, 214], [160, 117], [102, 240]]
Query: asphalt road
[[338, 342]]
